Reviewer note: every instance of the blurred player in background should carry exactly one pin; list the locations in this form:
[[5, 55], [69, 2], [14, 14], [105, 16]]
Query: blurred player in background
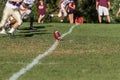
[[41, 10], [62, 9], [71, 8], [118, 12], [25, 10], [103, 7]]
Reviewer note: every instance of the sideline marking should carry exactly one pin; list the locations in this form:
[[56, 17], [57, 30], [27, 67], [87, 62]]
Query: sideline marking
[[36, 60]]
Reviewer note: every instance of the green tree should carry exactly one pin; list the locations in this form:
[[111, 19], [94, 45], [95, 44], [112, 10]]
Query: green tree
[[2, 4], [84, 8], [115, 5]]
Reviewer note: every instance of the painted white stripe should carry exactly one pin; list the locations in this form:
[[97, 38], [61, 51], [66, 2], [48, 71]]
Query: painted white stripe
[[39, 57], [40, 63], [21, 63], [70, 30]]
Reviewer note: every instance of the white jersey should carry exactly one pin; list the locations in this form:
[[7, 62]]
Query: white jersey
[[29, 2], [13, 5], [65, 2]]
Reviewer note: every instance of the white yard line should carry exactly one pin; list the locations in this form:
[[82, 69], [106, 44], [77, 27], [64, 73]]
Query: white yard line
[[35, 61]]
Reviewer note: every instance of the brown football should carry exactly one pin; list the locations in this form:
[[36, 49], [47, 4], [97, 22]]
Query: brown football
[[57, 35]]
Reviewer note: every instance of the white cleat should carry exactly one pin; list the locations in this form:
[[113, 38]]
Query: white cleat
[[2, 32], [61, 21]]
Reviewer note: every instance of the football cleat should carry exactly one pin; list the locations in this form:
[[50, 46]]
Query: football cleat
[[11, 35], [3, 31]]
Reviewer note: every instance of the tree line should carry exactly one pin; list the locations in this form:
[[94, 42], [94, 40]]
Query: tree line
[[84, 8]]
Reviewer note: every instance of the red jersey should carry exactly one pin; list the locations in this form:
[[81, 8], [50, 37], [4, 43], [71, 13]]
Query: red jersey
[[42, 10], [103, 2], [71, 4]]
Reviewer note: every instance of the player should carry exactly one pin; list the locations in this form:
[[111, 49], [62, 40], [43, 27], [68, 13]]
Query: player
[[71, 8], [25, 10], [62, 9], [103, 7], [118, 12], [41, 6], [11, 8]]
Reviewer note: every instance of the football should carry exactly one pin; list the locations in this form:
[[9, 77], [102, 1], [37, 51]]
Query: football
[[57, 35]]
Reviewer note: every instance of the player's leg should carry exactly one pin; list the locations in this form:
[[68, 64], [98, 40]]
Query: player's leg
[[3, 31], [9, 22], [71, 18], [6, 26], [56, 14], [31, 15], [108, 18], [6, 14], [40, 19], [31, 19], [100, 19], [64, 14], [100, 12], [18, 19], [106, 13], [118, 12]]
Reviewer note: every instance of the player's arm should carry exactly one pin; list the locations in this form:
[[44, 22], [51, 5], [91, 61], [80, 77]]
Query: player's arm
[[97, 4], [108, 5], [73, 7], [16, 0], [23, 7], [117, 13], [66, 7], [59, 4]]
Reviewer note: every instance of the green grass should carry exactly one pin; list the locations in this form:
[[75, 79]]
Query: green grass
[[90, 52]]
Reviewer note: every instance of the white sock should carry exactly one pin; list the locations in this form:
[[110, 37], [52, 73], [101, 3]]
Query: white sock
[[51, 15], [61, 20], [12, 30], [3, 29]]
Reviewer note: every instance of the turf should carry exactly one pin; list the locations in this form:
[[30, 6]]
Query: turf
[[90, 52]]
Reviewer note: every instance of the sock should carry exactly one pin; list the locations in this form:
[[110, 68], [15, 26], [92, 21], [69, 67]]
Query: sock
[[12, 30], [3, 29], [61, 20], [51, 15], [31, 19]]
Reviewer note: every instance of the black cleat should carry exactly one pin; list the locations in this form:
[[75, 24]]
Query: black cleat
[[33, 28], [49, 16], [11, 35]]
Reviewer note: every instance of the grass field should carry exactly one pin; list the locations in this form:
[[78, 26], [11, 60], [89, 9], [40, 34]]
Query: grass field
[[90, 52]]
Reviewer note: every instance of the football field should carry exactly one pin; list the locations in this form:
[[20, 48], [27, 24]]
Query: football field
[[86, 52]]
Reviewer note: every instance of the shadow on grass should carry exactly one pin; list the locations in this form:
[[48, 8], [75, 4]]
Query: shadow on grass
[[27, 32], [28, 28], [29, 35]]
